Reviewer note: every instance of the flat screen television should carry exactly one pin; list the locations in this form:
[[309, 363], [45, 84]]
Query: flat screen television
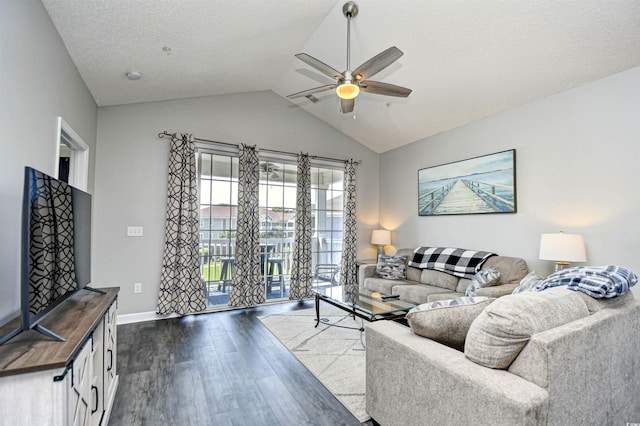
[[56, 248]]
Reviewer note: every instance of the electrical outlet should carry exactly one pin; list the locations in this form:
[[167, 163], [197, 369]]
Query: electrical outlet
[[137, 287]]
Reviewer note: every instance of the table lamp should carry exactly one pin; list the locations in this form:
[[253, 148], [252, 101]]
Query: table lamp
[[381, 237], [562, 248]]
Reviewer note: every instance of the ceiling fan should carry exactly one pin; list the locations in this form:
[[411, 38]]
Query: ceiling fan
[[349, 83], [272, 170], [269, 169]]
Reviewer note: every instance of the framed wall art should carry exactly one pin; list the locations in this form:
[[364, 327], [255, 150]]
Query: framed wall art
[[478, 185]]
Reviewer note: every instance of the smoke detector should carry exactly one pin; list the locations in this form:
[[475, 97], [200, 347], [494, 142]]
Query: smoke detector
[[134, 75]]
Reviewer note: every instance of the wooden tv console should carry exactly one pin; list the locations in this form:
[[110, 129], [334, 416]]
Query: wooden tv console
[[45, 382]]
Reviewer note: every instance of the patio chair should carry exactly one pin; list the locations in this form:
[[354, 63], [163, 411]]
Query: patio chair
[[327, 272]]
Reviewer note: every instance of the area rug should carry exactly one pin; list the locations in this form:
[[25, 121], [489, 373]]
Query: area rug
[[334, 355]]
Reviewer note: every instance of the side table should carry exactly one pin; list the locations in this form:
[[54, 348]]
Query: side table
[[362, 262]]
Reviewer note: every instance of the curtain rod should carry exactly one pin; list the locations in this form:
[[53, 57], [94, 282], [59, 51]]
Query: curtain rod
[[164, 134]]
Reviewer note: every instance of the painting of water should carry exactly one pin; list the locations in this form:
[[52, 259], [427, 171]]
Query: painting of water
[[484, 184]]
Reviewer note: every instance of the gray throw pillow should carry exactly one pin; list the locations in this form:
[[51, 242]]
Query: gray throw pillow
[[391, 267], [499, 333], [447, 321], [485, 278]]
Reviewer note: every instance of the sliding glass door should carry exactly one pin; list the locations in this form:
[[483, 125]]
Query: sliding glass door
[[327, 204], [278, 182], [218, 174]]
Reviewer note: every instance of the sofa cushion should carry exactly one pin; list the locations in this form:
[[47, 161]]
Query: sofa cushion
[[418, 293], [443, 296], [499, 333], [462, 285], [528, 283], [485, 278], [385, 286], [439, 279], [496, 290], [391, 267], [447, 321]]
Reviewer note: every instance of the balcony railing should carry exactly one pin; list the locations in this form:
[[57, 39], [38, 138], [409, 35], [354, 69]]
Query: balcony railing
[[215, 252]]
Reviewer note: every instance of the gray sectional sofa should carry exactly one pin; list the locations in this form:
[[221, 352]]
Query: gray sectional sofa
[[426, 285], [577, 362]]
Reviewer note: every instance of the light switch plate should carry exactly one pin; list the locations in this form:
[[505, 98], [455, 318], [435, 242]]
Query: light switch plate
[[134, 231]]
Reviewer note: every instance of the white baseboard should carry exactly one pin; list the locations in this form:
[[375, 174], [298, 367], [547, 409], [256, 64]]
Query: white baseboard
[[153, 316], [143, 316]]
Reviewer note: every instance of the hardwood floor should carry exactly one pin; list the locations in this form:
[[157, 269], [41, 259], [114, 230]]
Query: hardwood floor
[[222, 368]]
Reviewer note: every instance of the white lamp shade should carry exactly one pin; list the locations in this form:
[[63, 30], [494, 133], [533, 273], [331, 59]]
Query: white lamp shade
[[562, 247], [381, 237]]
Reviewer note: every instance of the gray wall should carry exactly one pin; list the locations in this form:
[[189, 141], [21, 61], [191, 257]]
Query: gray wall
[[577, 162], [38, 83], [577, 154], [132, 165]]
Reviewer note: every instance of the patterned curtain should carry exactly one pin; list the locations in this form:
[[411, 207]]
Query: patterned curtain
[[181, 285], [301, 280], [247, 289], [348, 276]]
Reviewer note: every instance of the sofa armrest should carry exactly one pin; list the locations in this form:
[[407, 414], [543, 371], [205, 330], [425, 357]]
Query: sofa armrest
[[597, 355], [497, 290], [411, 378], [366, 271]]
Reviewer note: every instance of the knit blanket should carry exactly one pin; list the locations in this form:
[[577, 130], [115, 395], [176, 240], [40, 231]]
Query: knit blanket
[[596, 281], [455, 261]]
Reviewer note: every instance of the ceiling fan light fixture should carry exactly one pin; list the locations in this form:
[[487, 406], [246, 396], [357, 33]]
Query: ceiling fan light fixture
[[349, 83], [347, 91]]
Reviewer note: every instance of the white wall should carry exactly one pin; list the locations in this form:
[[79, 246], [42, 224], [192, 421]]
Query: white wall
[[132, 165], [38, 83], [577, 170]]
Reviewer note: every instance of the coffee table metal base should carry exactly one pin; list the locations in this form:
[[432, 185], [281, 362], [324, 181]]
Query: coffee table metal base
[[351, 310]]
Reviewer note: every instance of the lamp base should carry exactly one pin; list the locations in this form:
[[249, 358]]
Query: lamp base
[[380, 250], [560, 266]]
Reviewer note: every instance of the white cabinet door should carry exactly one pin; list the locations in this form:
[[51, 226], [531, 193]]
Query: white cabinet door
[[79, 395], [97, 379], [110, 339]]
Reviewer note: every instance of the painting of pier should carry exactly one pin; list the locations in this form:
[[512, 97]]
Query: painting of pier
[[484, 184]]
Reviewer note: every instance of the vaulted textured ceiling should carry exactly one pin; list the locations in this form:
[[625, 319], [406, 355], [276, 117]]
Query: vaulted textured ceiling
[[464, 60]]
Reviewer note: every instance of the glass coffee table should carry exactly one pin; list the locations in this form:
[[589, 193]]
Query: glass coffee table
[[366, 304]]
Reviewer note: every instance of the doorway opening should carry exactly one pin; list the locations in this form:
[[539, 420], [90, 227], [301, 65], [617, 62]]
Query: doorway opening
[[72, 156]]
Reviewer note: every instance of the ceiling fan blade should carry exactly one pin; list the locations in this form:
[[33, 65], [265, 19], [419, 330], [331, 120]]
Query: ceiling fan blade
[[347, 105], [387, 89], [378, 63], [320, 66], [312, 91]]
